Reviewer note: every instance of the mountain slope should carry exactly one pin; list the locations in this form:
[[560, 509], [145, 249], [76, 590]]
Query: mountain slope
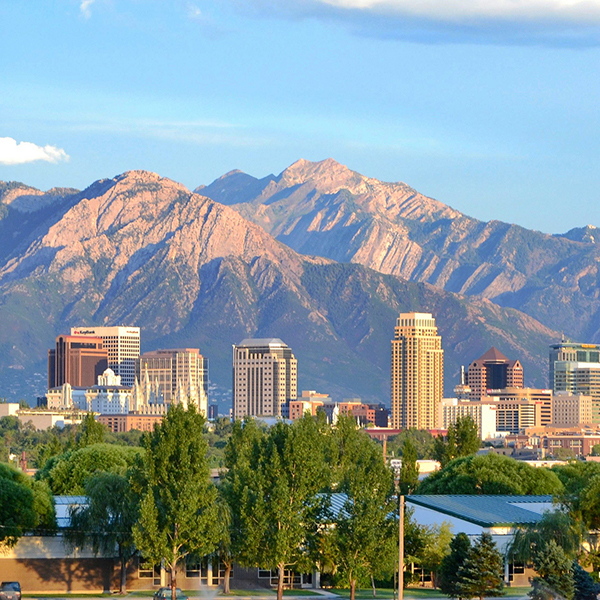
[[328, 210], [142, 250]]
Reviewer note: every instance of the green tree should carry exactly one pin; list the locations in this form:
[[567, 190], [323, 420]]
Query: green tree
[[66, 473], [437, 547], [451, 564], [237, 482], [106, 521], [481, 574], [280, 507], [467, 436], [490, 474], [553, 567], [25, 506], [364, 533], [586, 588], [409, 471], [178, 511], [91, 432], [422, 440]]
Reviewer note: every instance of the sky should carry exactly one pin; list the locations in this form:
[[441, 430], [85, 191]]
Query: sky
[[490, 106]]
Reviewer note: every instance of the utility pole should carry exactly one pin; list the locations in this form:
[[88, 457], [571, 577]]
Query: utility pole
[[401, 548]]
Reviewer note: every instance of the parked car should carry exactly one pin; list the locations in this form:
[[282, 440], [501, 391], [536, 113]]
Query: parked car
[[164, 593], [10, 590]]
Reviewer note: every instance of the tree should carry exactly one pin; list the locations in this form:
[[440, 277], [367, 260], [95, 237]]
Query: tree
[[422, 440], [409, 471], [106, 521], [462, 440], [364, 533], [66, 473], [481, 574], [437, 547], [490, 474], [241, 454], [586, 588], [178, 511], [460, 547], [24, 506], [554, 572], [91, 432]]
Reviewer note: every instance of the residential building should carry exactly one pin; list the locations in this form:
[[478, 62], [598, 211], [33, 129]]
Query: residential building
[[493, 371], [417, 372], [579, 378], [176, 372], [77, 360], [264, 377], [122, 345], [571, 352], [482, 413], [569, 410]]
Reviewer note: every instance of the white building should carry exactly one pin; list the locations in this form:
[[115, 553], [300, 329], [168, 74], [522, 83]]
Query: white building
[[123, 346], [482, 413]]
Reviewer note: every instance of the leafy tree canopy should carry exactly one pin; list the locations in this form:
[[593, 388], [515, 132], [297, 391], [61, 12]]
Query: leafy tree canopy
[[490, 474]]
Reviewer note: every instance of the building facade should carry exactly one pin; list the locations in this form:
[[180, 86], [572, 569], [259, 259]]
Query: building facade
[[122, 345], [571, 352], [417, 372], [265, 373], [482, 413], [76, 360], [579, 378], [179, 371], [493, 371], [541, 399], [570, 410]]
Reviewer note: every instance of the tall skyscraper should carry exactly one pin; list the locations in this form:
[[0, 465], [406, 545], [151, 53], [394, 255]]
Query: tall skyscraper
[[264, 377], [493, 371], [571, 352], [417, 372], [179, 371], [76, 360], [122, 345]]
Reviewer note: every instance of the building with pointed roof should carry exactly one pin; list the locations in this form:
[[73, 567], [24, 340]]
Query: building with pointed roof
[[495, 371]]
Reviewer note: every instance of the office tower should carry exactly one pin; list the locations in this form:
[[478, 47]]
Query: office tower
[[541, 399], [76, 360], [493, 371], [264, 377], [579, 378], [482, 413], [181, 374], [122, 345], [571, 410], [417, 372], [571, 352]]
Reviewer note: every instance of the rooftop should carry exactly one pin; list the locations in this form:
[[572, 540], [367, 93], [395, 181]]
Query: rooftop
[[261, 342], [487, 511]]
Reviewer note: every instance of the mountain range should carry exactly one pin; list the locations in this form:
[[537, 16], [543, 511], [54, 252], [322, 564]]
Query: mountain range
[[319, 256]]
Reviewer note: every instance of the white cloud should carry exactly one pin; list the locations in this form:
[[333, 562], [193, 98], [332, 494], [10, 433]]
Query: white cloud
[[193, 12], [16, 153], [85, 9], [582, 11]]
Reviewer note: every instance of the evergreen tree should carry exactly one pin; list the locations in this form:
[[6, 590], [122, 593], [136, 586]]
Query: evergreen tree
[[451, 564], [409, 471], [586, 588], [554, 572], [467, 436], [178, 511], [481, 574], [91, 432]]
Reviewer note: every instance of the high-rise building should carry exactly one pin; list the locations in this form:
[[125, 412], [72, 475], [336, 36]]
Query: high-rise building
[[571, 410], [122, 345], [264, 377], [178, 372], [417, 372], [571, 352], [542, 399], [579, 378], [76, 360], [493, 371]]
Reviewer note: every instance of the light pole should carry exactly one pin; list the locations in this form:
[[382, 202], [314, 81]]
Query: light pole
[[401, 547]]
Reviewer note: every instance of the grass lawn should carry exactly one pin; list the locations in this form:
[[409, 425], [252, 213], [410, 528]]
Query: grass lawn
[[419, 593]]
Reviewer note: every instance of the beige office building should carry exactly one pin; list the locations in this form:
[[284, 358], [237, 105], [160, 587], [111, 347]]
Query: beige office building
[[417, 372], [540, 397], [579, 378], [122, 345], [264, 377], [179, 374], [570, 410]]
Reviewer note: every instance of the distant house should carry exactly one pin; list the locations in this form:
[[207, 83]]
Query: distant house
[[499, 516]]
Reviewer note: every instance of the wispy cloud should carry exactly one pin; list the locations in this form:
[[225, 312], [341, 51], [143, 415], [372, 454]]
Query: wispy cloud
[[85, 8], [193, 12], [16, 153], [551, 22]]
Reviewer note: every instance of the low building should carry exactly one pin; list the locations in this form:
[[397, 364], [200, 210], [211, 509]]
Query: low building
[[120, 423]]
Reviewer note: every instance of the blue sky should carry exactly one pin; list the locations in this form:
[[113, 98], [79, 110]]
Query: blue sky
[[491, 106]]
